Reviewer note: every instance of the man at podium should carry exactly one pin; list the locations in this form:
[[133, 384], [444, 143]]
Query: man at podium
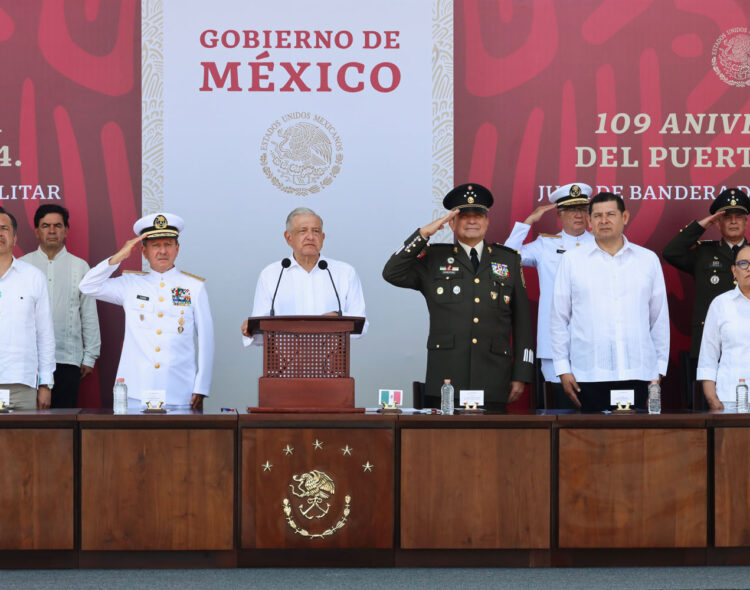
[[306, 283]]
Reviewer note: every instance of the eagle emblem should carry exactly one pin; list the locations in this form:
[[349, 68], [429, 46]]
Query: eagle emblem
[[316, 487], [160, 222]]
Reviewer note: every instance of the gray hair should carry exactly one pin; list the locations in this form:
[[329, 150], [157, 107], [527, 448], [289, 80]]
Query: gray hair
[[301, 211]]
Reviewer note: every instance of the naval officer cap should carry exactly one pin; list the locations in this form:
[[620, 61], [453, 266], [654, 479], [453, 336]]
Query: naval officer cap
[[159, 225], [571, 195], [468, 198], [731, 200]]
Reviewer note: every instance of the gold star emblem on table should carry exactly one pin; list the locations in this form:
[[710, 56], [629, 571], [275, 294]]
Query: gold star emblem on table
[[267, 465], [367, 466], [288, 450], [317, 444], [347, 450]]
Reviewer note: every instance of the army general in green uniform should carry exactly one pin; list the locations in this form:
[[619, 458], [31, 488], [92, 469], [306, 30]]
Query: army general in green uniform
[[710, 262], [480, 327]]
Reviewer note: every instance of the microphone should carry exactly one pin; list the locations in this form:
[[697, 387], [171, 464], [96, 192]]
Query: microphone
[[286, 263], [323, 265]]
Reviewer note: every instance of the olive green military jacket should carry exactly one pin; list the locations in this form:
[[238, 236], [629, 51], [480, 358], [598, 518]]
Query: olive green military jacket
[[480, 327], [710, 263]]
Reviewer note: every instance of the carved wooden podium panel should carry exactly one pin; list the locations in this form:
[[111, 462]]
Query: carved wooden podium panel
[[306, 361], [318, 488]]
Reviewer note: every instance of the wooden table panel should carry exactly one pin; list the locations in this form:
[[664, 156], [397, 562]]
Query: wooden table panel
[[357, 463], [635, 487], [157, 489], [732, 487], [36, 495], [475, 489]]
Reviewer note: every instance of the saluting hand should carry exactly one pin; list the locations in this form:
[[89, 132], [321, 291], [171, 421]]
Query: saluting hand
[[437, 225], [125, 251], [707, 222], [536, 215], [570, 386]]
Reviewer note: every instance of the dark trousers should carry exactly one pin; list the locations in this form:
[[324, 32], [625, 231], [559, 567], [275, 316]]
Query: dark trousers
[[595, 395], [559, 399], [65, 391]]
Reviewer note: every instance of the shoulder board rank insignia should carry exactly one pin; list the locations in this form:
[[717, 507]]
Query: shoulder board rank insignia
[[507, 248], [135, 272], [549, 235], [201, 279]]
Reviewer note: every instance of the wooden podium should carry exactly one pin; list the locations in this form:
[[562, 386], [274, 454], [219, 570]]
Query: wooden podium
[[306, 361]]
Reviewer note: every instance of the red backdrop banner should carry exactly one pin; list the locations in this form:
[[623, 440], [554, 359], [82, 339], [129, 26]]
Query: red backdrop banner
[[646, 98], [71, 134]]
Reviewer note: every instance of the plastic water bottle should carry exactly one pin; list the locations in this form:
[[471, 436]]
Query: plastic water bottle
[[742, 405], [654, 397], [120, 397], [446, 397]]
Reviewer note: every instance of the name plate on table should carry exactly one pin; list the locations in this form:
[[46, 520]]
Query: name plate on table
[[471, 397], [155, 401], [622, 397], [5, 400], [390, 399]]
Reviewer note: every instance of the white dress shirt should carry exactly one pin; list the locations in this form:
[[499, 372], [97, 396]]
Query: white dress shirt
[[27, 338], [724, 352], [77, 338], [308, 293], [163, 314], [479, 248], [544, 254], [609, 318]]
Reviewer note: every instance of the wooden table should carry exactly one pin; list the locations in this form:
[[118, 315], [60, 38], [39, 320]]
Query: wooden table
[[157, 483], [91, 489], [37, 496]]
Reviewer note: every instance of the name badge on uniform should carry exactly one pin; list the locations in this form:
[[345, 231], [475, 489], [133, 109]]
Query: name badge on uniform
[[622, 396], [561, 251], [500, 270], [142, 297], [180, 296], [449, 270]]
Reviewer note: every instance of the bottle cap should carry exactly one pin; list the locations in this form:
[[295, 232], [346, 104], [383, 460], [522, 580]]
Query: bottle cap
[[121, 379], [446, 380]]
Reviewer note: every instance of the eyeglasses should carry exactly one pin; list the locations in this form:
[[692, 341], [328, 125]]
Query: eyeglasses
[[742, 264]]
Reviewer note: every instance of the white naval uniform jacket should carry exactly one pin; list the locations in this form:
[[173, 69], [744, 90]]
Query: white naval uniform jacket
[[156, 354], [544, 253]]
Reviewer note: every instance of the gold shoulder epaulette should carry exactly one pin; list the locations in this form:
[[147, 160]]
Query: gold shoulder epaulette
[[201, 279], [550, 235], [135, 272]]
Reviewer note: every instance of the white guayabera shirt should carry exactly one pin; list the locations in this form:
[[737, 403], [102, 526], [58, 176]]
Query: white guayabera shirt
[[724, 353], [77, 338], [609, 319]]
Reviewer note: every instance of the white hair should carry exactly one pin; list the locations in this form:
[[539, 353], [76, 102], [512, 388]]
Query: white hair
[[301, 211]]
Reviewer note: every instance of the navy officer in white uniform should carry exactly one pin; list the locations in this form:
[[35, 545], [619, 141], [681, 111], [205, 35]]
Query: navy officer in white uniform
[[165, 309], [304, 288], [544, 253]]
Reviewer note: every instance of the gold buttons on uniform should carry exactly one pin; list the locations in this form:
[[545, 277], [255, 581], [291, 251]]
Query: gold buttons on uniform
[[158, 331], [160, 314], [156, 366], [158, 349], [437, 346], [141, 305], [476, 280], [161, 298], [161, 284], [476, 320], [476, 299], [473, 340]]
